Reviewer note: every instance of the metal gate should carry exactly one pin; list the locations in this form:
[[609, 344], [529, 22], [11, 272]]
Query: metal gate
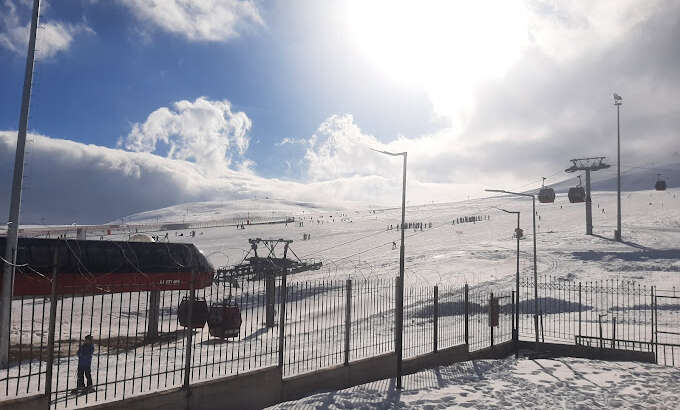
[[667, 328]]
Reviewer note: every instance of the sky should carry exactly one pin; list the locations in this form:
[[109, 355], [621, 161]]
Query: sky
[[142, 104]]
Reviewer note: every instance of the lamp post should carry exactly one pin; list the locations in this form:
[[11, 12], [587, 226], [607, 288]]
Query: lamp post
[[515, 336], [7, 285], [399, 324], [618, 100], [533, 214]]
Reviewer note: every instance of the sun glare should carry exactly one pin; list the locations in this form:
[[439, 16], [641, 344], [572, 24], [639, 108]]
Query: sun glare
[[445, 47]]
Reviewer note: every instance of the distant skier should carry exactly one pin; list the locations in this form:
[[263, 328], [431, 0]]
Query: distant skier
[[394, 245], [85, 353]]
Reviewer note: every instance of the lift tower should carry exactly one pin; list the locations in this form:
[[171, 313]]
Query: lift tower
[[588, 164], [267, 268]]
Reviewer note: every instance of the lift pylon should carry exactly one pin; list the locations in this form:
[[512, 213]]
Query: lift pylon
[[266, 265], [588, 164]]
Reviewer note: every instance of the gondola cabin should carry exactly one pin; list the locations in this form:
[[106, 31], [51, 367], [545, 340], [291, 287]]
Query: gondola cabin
[[97, 267], [546, 195], [199, 313], [577, 194], [224, 320], [660, 183]]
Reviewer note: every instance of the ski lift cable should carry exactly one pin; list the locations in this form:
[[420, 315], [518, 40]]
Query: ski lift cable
[[345, 243]]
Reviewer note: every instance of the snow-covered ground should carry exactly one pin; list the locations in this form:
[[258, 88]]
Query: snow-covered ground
[[359, 244], [565, 383]]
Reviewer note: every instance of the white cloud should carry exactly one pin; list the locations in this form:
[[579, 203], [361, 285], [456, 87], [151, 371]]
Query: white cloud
[[52, 37], [67, 182], [198, 20], [205, 132], [339, 149], [339, 154], [565, 30], [291, 141]]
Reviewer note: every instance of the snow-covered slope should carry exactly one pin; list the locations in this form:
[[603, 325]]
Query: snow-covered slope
[[632, 179], [358, 243], [216, 210]]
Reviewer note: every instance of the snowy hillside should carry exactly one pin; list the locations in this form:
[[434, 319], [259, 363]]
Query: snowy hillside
[[239, 208], [632, 178], [359, 243]]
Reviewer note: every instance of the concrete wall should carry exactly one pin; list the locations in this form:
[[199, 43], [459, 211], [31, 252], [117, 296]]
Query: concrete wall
[[254, 390], [340, 377], [588, 352], [266, 387], [37, 402]]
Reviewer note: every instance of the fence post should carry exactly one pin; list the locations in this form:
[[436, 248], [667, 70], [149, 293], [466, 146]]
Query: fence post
[[348, 317], [515, 325], [282, 318], [399, 326], [613, 332], [270, 299], [580, 309], [599, 323], [154, 314], [50, 332], [467, 314], [490, 314], [436, 318], [654, 322], [190, 335]]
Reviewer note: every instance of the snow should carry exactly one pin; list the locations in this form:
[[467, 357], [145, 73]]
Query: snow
[[565, 382], [355, 242]]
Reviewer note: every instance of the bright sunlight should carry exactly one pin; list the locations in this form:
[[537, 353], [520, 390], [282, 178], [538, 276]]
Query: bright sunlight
[[445, 47]]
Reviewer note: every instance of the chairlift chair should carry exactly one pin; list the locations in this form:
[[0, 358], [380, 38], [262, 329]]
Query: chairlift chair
[[546, 195], [660, 183], [577, 193]]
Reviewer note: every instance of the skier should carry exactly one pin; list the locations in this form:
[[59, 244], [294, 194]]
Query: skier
[[84, 364]]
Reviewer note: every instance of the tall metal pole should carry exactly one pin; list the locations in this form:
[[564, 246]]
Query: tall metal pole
[[517, 287], [533, 199], [15, 203], [589, 205], [617, 234], [533, 214], [400, 299]]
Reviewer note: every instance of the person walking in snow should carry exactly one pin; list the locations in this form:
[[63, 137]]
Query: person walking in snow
[[85, 353]]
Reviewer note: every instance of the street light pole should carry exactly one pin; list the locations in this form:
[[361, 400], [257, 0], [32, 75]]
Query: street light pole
[[15, 202], [399, 316], [516, 330], [617, 102], [533, 214]]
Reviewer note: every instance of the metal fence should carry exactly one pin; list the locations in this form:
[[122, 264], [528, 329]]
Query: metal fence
[[133, 352], [304, 326], [317, 324], [607, 314]]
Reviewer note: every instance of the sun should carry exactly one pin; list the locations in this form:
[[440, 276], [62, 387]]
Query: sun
[[447, 47]]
